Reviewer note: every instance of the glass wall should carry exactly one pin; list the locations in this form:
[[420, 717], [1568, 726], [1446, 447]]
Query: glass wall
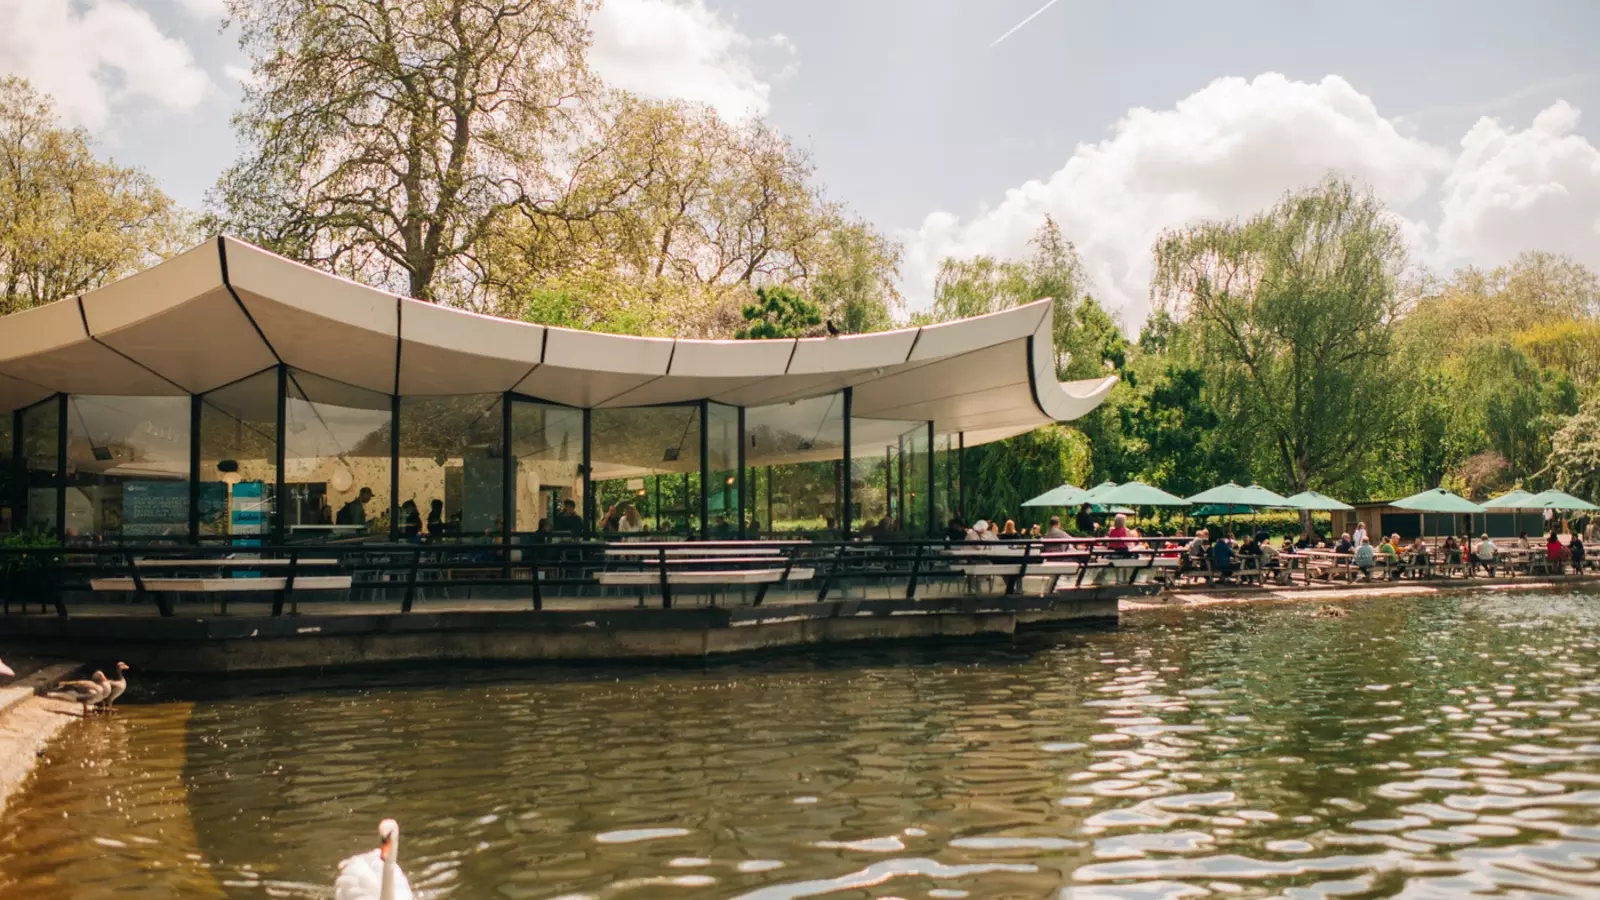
[[239, 459], [889, 477], [452, 466], [336, 461], [794, 453], [946, 489], [10, 479], [646, 476], [41, 444], [127, 468], [547, 443], [724, 511]]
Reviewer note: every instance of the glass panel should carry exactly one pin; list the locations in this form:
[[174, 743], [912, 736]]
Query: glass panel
[[722, 463], [944, 481], [452, 466], [647, 470], [795, 454], [127, 468], [889, 477], [8, 482], [336, 460], [239, 459], [41, 442], [547, 442]]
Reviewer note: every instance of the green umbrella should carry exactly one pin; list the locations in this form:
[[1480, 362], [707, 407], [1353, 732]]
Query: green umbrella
[[1092, 495], [1231, 494], [1514, 500], [1065, 495], [1136, 493], [1561, 500], [1221, 509], [1437, 500], [1315, 502]]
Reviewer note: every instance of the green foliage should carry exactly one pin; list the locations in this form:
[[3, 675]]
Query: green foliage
[[779, 312], [70, 221], [1574, 462], [1292, 314], [1010, 471]]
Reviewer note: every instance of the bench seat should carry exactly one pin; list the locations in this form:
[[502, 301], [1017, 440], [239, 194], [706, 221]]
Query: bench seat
[[217, 585], [733, 576]]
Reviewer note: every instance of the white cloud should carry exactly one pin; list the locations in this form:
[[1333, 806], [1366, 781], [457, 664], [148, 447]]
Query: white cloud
[[1230, 149], [1511, 190], [205, 9], [681, 49], [93, 57]]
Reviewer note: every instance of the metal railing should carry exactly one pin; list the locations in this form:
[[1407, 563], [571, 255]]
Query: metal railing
[[373, 576]]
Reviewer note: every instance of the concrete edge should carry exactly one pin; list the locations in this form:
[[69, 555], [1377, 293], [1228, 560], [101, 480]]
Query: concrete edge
[[28, 723]]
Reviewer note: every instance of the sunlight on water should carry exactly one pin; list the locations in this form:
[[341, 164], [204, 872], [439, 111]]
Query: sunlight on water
[[1438, 748]]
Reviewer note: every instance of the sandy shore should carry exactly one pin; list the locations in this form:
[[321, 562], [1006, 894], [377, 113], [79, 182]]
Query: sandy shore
[[28, 723]]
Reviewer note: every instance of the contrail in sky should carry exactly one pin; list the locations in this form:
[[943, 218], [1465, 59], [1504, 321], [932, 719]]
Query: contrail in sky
[[1018, 27]]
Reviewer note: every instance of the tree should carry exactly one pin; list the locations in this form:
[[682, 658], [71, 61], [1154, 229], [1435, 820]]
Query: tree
[[1293, 313], [1574, 462], [68, 221], [854, 280], [780, 312], [385, 138], [1011, 471]]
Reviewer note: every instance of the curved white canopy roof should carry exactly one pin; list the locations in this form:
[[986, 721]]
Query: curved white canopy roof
[[226, 310]]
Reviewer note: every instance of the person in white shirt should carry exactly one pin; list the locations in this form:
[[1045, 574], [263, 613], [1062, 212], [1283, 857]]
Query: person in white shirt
[[1359, 536], [1486, 553]]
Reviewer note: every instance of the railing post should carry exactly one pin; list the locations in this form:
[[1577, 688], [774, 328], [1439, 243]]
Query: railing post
[[1015, 587], [411, 578], [666, 586], [533, 574], [288, 583], [916, 567], [833, 569], [788, 566]]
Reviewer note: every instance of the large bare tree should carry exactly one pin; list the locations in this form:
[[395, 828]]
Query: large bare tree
[[384, 138]]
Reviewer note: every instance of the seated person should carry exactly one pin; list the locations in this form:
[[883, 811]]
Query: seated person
[[1555, 552], [1365, 559], [1451, 551], [1222, 559], [1390, 551], [1576, 551], [1486, 553], [1344, 545], [1419, 552]]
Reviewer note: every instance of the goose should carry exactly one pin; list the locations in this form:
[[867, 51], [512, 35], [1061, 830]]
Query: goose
[[375, 874], [88, 693], [118, 685], [6, 670]]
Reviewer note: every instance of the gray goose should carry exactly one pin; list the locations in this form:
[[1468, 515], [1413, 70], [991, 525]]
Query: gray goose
[[87, 693]]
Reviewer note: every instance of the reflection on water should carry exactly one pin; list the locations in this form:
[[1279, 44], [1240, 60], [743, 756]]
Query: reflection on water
[[1426, 748]]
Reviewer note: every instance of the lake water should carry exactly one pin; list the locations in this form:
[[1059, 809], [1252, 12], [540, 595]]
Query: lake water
[[1445, 747]]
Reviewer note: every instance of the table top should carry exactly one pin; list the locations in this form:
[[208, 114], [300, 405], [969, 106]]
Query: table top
[[229, 563]]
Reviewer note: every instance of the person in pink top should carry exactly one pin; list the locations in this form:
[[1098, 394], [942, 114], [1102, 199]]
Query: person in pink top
[[1119, 534]]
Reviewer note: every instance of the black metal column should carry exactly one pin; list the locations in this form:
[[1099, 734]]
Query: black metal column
[[508, 474], [705, 470], [849, 519], [932, 476], [961, 472], [280, 502], [744, 520], [588, 471], [394, 467], [61, 467], [194, 468]]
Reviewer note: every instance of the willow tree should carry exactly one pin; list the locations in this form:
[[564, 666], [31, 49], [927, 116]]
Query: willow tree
[[69, 222], [384, 138], [1292, 314]]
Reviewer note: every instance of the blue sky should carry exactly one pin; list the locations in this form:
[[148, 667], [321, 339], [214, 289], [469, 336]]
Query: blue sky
[[1476, 121]]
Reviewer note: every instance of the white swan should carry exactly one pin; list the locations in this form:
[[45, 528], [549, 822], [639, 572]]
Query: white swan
[[88, 693], [118, 685], [375, 874]]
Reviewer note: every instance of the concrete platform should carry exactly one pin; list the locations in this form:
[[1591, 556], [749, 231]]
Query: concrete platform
[[334, 636]]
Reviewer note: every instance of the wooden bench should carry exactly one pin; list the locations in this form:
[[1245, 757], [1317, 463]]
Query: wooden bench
[[223, 584], [666, 567]]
